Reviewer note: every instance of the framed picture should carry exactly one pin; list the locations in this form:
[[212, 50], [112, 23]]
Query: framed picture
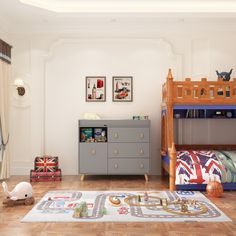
[[122, 88], [95, 88]]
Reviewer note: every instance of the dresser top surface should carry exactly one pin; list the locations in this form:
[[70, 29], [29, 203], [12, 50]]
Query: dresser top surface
[[114, 123]]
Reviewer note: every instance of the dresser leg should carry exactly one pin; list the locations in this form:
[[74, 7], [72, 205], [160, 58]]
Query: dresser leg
[[146, 177], [82, 177]]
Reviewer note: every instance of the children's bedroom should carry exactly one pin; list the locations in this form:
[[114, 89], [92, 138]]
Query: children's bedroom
[[117, 117]]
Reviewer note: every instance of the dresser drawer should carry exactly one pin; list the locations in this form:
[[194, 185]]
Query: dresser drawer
[[128, 166], [93, 158], [117, 150], [128, 135]]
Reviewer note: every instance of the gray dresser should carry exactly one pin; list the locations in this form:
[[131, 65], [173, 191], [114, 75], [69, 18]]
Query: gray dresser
[[114, 147]]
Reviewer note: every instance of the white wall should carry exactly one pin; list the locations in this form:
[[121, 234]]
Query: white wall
[[68, 65], [45, 121], [4, 35]]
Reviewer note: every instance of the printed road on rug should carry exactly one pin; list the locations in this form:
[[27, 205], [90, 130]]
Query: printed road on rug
[[124, 206]]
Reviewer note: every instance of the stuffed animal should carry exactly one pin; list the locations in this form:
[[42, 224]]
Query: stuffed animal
[[91, 116], [224, 75], [21, 194]]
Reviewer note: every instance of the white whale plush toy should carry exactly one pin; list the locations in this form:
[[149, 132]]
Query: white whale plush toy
[[22, 190]]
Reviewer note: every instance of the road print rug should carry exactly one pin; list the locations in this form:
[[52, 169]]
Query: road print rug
[[125, 206]]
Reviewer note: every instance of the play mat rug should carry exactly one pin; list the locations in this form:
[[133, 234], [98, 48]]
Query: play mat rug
[[124, 206]]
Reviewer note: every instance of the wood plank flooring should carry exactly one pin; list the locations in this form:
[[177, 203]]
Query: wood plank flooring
[[10, 217]]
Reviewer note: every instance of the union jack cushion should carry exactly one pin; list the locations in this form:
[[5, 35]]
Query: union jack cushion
[[46, 164], [198, 167]]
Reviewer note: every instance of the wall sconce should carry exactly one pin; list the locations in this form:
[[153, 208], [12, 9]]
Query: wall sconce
[[19, 83]]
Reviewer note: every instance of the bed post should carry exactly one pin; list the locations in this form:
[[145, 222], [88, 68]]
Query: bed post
[[170, 130], [169, 109], [172, 155], [164, 147]]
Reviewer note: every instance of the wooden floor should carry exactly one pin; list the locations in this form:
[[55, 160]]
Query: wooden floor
[[10, 216]]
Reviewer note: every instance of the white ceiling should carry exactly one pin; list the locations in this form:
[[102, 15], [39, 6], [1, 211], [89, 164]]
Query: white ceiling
[[17, 17], [134, 6]]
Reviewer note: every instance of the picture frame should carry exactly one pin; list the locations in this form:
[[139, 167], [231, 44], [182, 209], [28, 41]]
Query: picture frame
[[122, 88], [95, 88]]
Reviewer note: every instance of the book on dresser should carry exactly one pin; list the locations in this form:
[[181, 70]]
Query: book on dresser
[[114, 147]]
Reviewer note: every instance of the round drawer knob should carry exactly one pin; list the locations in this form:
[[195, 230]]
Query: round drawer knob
[[141, 151], [116, 135], [93, 151], [116, 151], [141, 166], [141, 135], [116, 166]]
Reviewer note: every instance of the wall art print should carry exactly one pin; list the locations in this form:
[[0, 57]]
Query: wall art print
[[122, 88], [95, 88]]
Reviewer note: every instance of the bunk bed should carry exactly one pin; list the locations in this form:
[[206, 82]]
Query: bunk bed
[[197, 99]]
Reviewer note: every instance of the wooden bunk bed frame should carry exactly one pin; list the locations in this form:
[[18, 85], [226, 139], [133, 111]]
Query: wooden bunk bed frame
[[192, 93]]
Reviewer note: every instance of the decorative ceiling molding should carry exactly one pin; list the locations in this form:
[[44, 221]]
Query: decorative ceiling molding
[[138, 6]]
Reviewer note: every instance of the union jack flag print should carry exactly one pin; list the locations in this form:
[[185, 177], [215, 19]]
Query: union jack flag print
[[46, 164], [197, 167]]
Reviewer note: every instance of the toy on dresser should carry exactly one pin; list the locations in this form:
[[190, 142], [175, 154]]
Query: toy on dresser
[[45, 169]]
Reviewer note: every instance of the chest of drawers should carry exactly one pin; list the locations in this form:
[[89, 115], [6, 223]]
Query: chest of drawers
[[125, 150]]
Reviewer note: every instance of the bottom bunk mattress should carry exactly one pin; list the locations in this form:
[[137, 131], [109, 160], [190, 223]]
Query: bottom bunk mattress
[[194, 169]]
